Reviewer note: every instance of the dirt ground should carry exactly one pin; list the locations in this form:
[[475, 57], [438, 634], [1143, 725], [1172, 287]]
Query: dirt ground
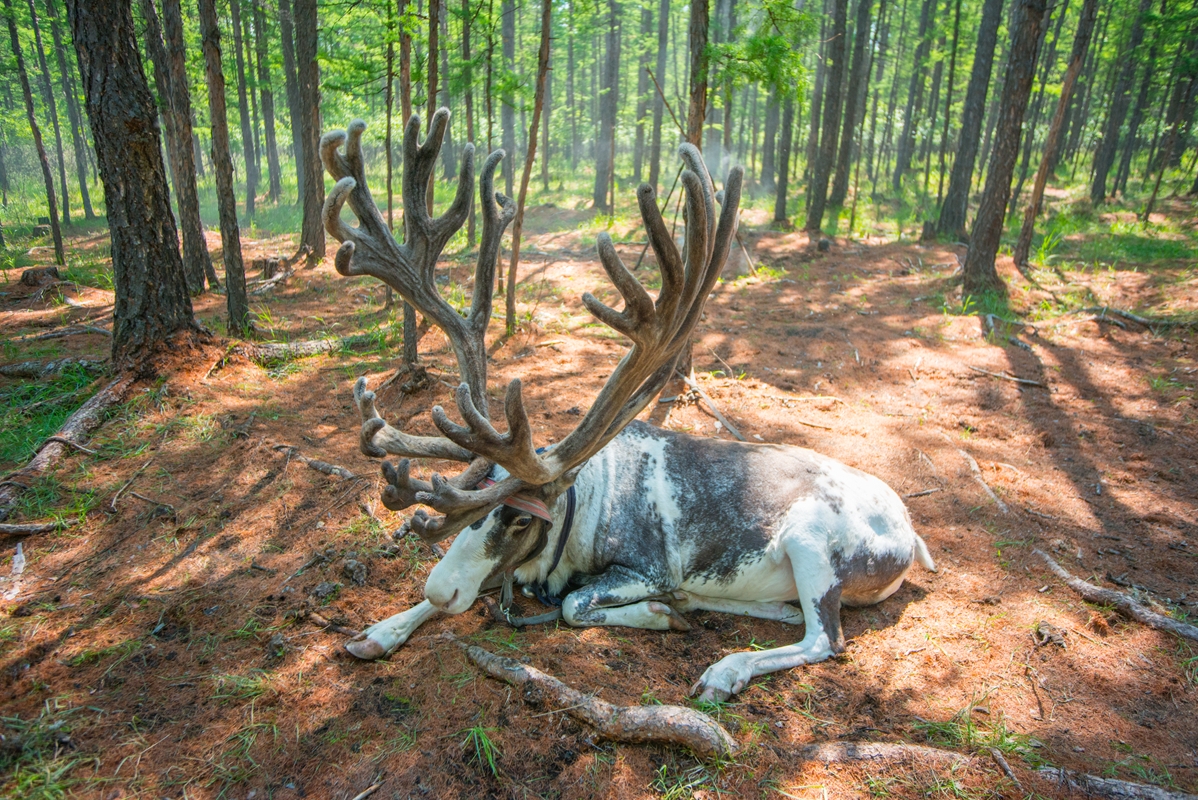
[[161, 647]]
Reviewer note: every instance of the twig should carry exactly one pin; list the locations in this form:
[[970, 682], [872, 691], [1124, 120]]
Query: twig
[[812, 424], [316, 464], [924, 493], [321, 622], [745, 250], [711, 404], [661, 724], [1124, 604], [1006, 377], [368, 791], [151, 501], [809, 399], [1111, 788], [66, 441], [128, 483], [977, 476], [29, 528], [1147, 322], [1005, 767]]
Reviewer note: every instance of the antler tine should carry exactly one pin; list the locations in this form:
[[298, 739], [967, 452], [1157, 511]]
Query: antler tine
[[401, 489], [695, 244], [638, 312], [668, 259], [514, 450], [498, 211], [693, 159], [378, 439], [351, 165]]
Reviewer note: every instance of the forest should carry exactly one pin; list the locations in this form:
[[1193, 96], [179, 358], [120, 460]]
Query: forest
[[843, 356]]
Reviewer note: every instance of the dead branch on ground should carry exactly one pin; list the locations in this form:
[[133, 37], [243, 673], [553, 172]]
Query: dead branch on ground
[[1147, 322], [279, 351], [70, 330], [29, 528], [711, 404], [1006, 377], [1124, 604], [79, 425], [637, 724], [1111, 788], [321, 622], [313, 463], [37, 370], [977, 476]]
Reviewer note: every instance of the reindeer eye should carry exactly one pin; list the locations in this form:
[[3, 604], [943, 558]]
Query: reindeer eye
[[521, 522]]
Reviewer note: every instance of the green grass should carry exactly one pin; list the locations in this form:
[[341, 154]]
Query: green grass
[[242, 687], [31, 411], [961, 732], [39, 755], [481, 748]]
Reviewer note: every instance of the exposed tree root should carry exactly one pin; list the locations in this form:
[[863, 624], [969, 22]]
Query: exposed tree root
[[714, 408], [37, 370], [855, 752], [1124, 604], [977, 476], [637, 724], [78, 426], [1147, 322], [28, 528], [70, 330], [1094, 786], [316, 464], [281, 351]]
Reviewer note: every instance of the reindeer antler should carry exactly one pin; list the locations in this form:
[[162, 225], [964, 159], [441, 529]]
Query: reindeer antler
[[657, 328]]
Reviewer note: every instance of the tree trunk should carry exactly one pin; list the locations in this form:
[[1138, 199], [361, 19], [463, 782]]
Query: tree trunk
[[573, 109], [858, 85], [1081, 41], [956, 200], [770, 147], [248, 151], [906, 146], [1027, 23], [405, 65], [449, 160], [817, 92], [52, 110], [697, 109], [663, 35], [545, 150], [934, 107], [152, 305], [1029, 137], [468, 77], [507, 113], [1131, 143], [222, 165], [785, 135], [308, 85], [529, 158], [948, 102], [47, 175], [1104, 157], [642, 94], [818, 190], [609, 105], [885, 17], [434, 26], [892, 102], [268, 102], [78, 140], [291, 82]]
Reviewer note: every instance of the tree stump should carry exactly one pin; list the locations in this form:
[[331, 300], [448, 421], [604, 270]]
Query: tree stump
[[40, 276]]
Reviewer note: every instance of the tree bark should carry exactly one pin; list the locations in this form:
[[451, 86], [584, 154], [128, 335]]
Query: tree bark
[[956, 200], [642, 94], [785, 135], [434, 25], [449, 157], [268, 102], [47, 175], [906, 146], [507, 113], [892, 103], [1104, 156], [858, 85], [948, 101], [697, 109], [818, 190], [663, 34], [152, 305], [529, 158], [52, 110], [1081, 42], [468, 76], [1029, 137], [817, 92], [291, 82], [222, 165], [608, 107], [770, 147], [1028, 21], [1131, 143], [195, 247], [308, 84], [78, 140], [248, 150]]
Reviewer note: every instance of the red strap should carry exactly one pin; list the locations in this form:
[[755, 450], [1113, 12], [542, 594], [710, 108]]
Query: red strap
[[522, 502]]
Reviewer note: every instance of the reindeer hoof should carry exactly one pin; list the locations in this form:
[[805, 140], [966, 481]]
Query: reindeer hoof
[[365, 649], [677, 623]]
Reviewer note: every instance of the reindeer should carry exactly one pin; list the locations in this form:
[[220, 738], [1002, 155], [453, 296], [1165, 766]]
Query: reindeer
[[628, 524]]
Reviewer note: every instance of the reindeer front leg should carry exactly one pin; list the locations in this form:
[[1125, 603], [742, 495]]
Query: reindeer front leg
[[819, 595], [621, 597], [383, 638]]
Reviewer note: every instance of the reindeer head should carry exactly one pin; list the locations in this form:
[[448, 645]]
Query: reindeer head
[[499, 531]]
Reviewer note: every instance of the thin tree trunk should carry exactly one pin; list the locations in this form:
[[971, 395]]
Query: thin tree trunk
[[770, 147], [934, 107], [858, 85], [786, 134], [52, 110], [405, 65], [979, 272], [268, 102], [1081, 41], [948, 102], [468, 77], [817, 92], [885, 16], [78, 140], [697, 45], [1131, 144], [609, 105], [529, 158], [152, 306], [642, 94], [545, 149], [248, 148], [663, 35], [291, 82], [906, 146], [434, 25], [507, 113], [570, 90], [892, 102], [818, 189], [1104, 157], [43, 159], [308, 86], [222, 164], [449, 160], [956, 200], [1046, 64]]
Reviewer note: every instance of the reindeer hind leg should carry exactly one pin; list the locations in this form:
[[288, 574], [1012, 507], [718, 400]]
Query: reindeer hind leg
[[621, 597]]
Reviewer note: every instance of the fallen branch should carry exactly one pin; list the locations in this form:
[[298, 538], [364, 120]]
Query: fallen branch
[[637, 724], [321, 622], [977, 476], [71, 330], [1094, 786], [711, 404], [846, 752], [1147, 322], [374, 787], [280, 351], [1006, 377], [128, 483], [37, 370], [997, 755], [316, 464], [29, 528], [924, 493], [810, 399], [1124, 604], [82, 423]]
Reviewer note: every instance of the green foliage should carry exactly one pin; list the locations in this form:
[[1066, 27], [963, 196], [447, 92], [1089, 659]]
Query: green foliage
[[38, 755], [768, 50], [483, 751], [31, 411]]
